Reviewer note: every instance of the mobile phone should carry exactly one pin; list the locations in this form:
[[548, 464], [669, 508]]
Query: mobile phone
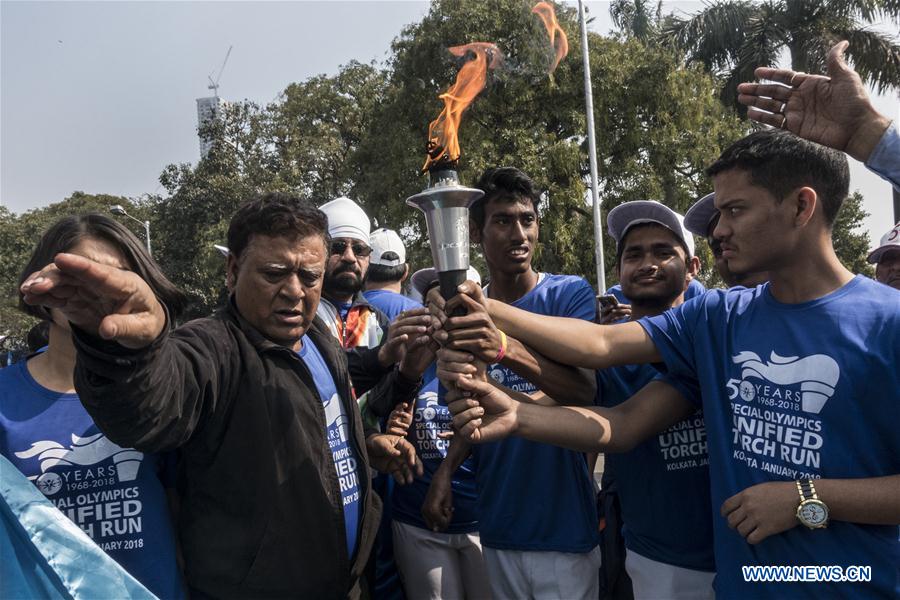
[[607, 301]]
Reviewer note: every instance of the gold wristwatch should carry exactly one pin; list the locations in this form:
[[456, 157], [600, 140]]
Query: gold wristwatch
[[812, 512]]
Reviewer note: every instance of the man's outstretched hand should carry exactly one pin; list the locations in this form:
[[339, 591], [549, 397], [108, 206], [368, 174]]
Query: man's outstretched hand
[[111, 303], [834, 111]]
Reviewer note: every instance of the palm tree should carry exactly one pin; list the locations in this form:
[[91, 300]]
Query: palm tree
[[637, 18], [732, 37]]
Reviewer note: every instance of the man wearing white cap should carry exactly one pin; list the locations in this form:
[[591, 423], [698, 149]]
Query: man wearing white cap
[[668, 473], [350, 318], [387, 272], [701, 220], [886, 258]]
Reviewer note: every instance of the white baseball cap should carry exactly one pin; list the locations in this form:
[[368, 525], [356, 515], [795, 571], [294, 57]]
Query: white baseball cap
[[700, 215], [346, 219], [627, 215], [387, 248], [889, 241]]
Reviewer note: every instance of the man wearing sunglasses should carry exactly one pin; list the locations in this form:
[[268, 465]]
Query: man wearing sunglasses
[[348, 315], [357, 324]]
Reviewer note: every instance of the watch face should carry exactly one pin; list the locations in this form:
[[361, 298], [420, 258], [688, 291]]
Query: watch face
[[813, 513]]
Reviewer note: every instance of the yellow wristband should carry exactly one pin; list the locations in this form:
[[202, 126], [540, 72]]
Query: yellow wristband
[[503, 346]]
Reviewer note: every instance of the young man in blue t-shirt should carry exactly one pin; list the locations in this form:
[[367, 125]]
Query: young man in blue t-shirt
[[433, 564], [798, 380], [536, 502], [667, 474]]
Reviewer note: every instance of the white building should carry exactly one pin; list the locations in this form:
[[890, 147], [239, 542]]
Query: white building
[[207, 109]]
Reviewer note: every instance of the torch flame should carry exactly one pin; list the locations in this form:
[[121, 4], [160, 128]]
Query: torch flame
[[558, 38], [443, 143]]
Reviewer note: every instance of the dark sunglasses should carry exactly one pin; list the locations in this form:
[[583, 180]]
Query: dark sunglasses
[[359, 249]]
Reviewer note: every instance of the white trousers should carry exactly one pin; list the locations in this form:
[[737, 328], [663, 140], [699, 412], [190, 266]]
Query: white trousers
[[439, 565], [653, 580], [543, 575]]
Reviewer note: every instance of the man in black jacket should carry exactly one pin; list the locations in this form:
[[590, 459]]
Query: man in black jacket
[[277, 498]]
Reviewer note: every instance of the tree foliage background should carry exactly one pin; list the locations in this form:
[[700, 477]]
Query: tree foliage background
[[361, 132]]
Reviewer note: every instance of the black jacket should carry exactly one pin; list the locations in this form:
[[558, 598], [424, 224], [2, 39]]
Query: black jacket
[[261, 512]]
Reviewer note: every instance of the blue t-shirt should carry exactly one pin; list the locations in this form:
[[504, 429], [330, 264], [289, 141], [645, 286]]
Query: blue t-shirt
[[114, 494], [794, 391], [337, 431], [663, 483], [531, 496], [390, 303], [431, 418]]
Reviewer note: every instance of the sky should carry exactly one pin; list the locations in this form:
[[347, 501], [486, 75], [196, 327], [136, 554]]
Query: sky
[[100, 96]]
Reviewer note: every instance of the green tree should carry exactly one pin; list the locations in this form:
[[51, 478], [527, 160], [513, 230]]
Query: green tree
[[194, 217], [319, 124], [714, 36], [658, 123], [851, 243], [732, 37]]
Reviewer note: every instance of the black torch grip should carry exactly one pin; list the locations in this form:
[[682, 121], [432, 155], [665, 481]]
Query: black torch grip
[[450, 280]]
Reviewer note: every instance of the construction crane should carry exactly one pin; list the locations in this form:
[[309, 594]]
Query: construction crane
[[214, 85]]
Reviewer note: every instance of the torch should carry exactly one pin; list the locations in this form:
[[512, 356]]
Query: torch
[[446, 206], [445, 202]]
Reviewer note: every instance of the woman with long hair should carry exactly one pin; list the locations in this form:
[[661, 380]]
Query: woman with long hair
[[116, 495]]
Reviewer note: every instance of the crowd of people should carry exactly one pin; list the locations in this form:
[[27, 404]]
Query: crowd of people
[[338, 429]]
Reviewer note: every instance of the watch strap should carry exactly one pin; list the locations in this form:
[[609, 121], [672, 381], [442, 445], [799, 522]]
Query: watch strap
[[807, 490]]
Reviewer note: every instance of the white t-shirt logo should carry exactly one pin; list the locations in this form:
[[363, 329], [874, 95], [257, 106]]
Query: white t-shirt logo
[[817, 375], [84, 452]]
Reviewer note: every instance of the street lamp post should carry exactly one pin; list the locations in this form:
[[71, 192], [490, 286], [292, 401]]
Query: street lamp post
[[592, 153], [118, 209]]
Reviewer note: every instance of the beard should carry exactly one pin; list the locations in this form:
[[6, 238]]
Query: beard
[[343, 281]]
